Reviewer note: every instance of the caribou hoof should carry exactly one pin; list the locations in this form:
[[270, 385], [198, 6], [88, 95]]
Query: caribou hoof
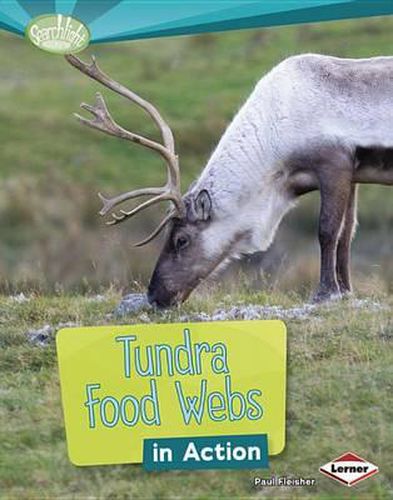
[[326, 296], [346, 293]]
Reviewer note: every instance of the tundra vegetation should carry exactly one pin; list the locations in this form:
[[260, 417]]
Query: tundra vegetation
[[339, 398], [71, 269]]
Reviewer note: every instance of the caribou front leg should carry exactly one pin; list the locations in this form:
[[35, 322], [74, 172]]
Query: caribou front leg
[[335, 188], [344, 244]]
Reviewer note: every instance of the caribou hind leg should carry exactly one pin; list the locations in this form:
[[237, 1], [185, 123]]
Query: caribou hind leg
[[343, 266], [335, 184]]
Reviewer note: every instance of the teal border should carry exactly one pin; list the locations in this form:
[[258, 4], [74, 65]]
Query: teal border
[[117, 20]]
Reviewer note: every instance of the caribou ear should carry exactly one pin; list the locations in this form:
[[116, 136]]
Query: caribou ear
[[203, 205]]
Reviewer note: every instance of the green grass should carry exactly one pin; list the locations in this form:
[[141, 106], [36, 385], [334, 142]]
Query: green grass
[[339, 398]]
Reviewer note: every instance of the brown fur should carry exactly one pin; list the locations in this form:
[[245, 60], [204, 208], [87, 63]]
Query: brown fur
[[335, 172]]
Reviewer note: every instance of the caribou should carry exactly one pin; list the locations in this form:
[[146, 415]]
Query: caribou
[[313, 122]]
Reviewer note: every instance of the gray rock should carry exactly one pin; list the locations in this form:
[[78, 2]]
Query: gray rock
[[20, 298], [42, 336], [253, 311], [45, 335], [132, 304]]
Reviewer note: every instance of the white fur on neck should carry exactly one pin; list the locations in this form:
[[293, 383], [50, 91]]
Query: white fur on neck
[[250, 228], [241, 176]]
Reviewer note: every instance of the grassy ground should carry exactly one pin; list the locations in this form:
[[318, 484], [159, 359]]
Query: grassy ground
[[339, 399]]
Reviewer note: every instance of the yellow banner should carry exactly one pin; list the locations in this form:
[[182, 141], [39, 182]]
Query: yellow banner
[[123, 384]]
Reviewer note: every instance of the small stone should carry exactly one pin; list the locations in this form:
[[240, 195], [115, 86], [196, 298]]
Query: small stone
[[144, 318], [96, 298], [131, 304], [42, 336], [19, 298], [67, 324]]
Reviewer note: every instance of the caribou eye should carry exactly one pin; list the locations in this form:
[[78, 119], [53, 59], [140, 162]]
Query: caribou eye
[[181, 242]]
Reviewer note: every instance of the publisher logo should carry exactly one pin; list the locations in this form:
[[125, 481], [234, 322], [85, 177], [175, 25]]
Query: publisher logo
[[58, 34], [349, 469]]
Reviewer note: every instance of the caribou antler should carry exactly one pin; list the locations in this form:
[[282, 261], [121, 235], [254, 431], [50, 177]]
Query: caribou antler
[[103, 121]]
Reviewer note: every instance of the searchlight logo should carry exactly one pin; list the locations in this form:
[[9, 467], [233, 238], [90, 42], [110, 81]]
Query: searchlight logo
[[58, 34]]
